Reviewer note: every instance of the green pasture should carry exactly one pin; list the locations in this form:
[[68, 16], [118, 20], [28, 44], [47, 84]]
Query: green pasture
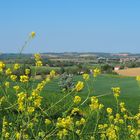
[[101, 86], [130, 91]]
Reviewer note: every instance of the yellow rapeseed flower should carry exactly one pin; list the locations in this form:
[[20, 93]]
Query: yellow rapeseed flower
[[32, 34], [111, 117], [77, 123], [138, 78], [122, 104], [2, 99], [2, 65], [82, 121], [75, 111], [8, 71], [96, 72], [7, 84], [121, 121], [47, 122], [85, 76], [101, 106], [30, 110], [109, 110], [17, 135], [37, 56], [103, 136], [111, 133], [116, 91], [24, 78], [79, 86], [95, 104], [16, 66], [27, 71], [52, 73], [13, 77], [78, 131], [7, 134], [66, 122], [16, 88], [62, 133], [37, 101], [39, 63], [77, 99], [94, 99]]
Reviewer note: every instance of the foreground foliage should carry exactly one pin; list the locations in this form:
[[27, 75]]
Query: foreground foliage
[[27, 118]]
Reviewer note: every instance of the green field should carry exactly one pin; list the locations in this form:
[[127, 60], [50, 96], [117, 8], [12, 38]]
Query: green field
[[130, 90]]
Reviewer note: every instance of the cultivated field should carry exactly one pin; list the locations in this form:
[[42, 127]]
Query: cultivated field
[[129, 72], [129, 90]]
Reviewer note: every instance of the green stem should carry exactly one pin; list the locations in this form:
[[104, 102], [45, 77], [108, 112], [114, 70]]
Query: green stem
[[96, 124], [59, 101], [25, 44], [89, 92]]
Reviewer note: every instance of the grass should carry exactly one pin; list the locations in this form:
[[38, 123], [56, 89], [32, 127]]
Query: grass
[[129, 94]]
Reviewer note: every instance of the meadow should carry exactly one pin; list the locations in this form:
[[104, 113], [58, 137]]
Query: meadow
[[130, 90]]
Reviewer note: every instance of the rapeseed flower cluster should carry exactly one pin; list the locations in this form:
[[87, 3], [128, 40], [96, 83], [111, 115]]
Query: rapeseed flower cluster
[[116, 91], [77, 99], [38, 60], [47, 121], [122, 107], [13, 77], [62, 133], [119, 122], [8, 71], [5, 132], [2, 66], [138, 78], [75, 111], [79, 86], [109, 110], [86, 76], [16, 66], [95, 105], [96, 72], [21, 101], [24, 78], [82, 121], [7, 84], [66, 122], [27, 71], [52, 73]]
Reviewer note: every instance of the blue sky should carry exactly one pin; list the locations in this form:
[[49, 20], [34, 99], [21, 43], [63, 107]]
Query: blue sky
[[70, 25]]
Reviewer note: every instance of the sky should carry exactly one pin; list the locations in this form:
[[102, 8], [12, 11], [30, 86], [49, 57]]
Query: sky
[[70, 25]]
